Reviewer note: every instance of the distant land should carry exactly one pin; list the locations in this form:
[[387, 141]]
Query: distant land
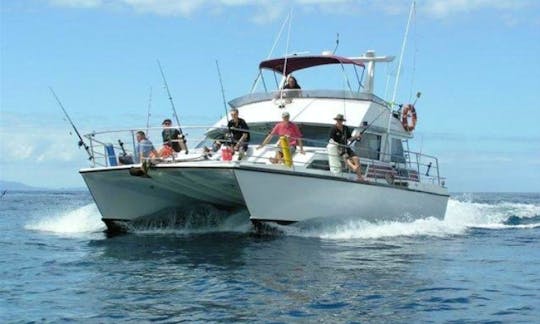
[[18, 186]]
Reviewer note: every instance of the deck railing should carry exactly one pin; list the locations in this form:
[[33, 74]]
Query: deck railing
[[293, 93], [108, 147]]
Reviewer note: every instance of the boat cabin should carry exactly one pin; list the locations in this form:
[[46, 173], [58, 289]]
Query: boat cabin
[[329, 85]]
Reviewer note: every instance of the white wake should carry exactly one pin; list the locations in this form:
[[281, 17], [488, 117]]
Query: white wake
[[84, 219], [460, 217]]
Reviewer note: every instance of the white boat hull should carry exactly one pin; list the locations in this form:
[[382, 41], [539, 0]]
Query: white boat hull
[[292, 197], [121, 197], [270, 194]]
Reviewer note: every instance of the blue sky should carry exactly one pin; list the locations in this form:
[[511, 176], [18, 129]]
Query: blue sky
[[475, 62]]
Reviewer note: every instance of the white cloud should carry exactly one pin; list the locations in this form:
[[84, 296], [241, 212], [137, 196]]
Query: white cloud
[[53, 143], [444, 8], [78, 3], [49, 146], [268, 11], [165, 7]]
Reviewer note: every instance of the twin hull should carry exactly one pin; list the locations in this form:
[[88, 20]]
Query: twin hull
[[269, 193]]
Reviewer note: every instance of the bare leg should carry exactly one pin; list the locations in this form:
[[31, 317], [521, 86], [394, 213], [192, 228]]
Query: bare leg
[[354, 165], [277, 158], [358, 171]]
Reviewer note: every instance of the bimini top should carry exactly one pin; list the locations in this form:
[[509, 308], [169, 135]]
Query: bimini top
[[295, 63]]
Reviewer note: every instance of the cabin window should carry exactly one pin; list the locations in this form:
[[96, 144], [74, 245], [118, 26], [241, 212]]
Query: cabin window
[[397, 151], [369, 147], [316, 136]]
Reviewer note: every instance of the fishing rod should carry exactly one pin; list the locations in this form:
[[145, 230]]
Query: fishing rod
[[170, 97], [337, 44], [223, 97], [182, 140], [372, 122], [418, 94], [124, 157], [81, 141], [222, 92], [148, 114]]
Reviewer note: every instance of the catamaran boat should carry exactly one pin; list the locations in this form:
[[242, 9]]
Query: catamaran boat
[[398, 185]]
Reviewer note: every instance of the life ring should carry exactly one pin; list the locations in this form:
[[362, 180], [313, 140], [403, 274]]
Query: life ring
[[409, 109]]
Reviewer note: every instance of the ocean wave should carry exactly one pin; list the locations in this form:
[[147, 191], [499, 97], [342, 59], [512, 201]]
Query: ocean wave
[[461, 216], [84, 219], [196, 220]]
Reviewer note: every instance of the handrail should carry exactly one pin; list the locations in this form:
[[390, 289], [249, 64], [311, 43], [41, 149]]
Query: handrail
[[411, 166], [321, 94]]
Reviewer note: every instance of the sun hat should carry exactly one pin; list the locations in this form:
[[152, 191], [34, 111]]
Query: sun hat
[[340, 117]]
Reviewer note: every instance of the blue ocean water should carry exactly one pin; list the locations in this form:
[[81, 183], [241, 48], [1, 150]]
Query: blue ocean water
[[480, 264]]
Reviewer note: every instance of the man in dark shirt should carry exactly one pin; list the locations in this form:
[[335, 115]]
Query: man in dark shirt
[[237, 126], [173, 137], [340, 134]]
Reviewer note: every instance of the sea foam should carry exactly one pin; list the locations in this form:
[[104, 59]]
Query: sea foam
[[460, 217], [84, 219]]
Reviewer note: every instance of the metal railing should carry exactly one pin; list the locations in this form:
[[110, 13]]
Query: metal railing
[[292, 93], [411, 166]]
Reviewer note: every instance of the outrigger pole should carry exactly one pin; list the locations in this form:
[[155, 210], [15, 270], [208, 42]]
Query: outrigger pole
[[81, 141], [182, 140]]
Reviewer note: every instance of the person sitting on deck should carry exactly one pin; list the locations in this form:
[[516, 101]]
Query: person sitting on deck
[[173, 137], [240, 138], [341, 134], [285, 128], [144, 149]]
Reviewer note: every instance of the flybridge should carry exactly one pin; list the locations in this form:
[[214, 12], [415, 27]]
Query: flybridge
[[295, 63], [290, 64]]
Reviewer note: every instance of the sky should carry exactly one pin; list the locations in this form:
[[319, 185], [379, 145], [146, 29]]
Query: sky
[[476, 63]]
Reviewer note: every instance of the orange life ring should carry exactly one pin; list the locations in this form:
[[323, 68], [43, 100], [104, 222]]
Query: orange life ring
[[409, 109]]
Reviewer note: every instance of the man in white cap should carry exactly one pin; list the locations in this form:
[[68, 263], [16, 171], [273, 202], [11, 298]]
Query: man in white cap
[[285, 128], [341, 134]]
